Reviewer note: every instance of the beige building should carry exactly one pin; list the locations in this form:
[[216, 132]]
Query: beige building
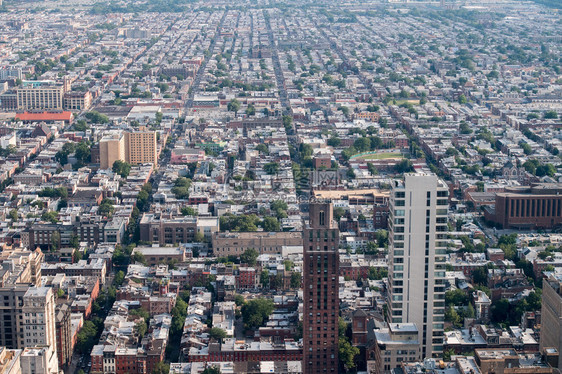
[[551, 315], [135, 147], [141, 147], [77, 100], [39, 318], [112, 148], [394, 345], [10, 359], [39, 360], [19, 271], [40, 97], [236, 243]]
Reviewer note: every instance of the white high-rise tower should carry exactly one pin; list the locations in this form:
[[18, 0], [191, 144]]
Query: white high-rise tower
[[418, 241]]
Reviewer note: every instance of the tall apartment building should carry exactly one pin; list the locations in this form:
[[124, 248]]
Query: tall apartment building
[[112, 148], [320, 291], [39, 318], [551, 323], [11, 323], [64, 334], [417, 236], [140, 146], [135, 147], [44, 96], [19, 270]]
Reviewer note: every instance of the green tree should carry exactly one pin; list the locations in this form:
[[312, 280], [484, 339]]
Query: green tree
[[469, 313], [234, 106], [334, 141], [211, 370], [122, 168], [362, 144], [82, 153], [347, 353], [141, 328], [344, 110], [377, 273], [296, 280], [255, 312], [465, 128], [199, 237], [271, 224], [74, 241], [188, 211], [276, 282], [452, 316], [264, 278], [339, 212], [119, 278], [262, 148], [480, 276], [140, 312], [80, 125], [457, 297], [547, 169], [87, 336], [271, 168], [13, 215], [288, 124], [500, 310], [181, 188], [250, 110], [55, 240], [551, 114], [239, 300], [139, 257], [96, 117], [249, 257], [217, 333], [447, 354], [404, 166], [161, 368], [239, 223], [106, 208]]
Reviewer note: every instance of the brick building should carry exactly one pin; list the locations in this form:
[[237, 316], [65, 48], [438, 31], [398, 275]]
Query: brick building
[[246, 278], [64, 337], [236, 243], [321, 292], [536, 207]]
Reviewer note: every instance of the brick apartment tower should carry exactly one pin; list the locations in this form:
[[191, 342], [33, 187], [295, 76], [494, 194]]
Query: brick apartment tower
[[320, 291]]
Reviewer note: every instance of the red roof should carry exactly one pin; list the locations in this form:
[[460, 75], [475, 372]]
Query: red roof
[[44, 116]]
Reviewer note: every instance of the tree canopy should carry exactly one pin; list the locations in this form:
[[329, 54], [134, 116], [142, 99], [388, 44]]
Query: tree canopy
[[255, 312]]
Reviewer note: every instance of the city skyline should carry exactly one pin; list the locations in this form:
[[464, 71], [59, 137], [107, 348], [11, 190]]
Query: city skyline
[[192, 187]]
